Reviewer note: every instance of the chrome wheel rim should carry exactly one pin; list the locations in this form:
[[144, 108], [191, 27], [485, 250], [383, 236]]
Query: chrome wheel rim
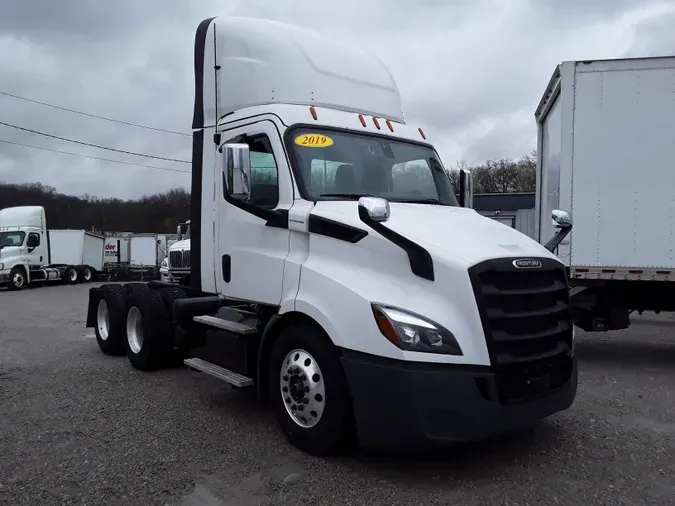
[[135, 329], [73, 275], [103, 319], [302, 388], [18, 280]]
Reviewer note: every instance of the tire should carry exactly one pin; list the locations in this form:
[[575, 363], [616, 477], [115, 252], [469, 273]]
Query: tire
[[334, 430], [111, 314], [17, 279], [71, 275], [178, 340], [134, 287], [148, 344], [87, 273], [169, 295]]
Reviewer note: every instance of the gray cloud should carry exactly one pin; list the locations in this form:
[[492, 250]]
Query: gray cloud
[[470, 72]]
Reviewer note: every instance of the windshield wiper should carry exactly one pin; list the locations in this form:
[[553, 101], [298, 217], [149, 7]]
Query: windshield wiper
[[345, 195], [424, 201]]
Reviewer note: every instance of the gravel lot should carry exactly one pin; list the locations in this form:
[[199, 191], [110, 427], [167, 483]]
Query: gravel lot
[[77, 427]]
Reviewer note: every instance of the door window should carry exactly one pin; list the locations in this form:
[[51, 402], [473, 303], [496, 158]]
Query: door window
[[264, 172]]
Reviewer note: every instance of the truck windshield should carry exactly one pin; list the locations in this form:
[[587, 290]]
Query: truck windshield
[[11, 239], [344, 165]]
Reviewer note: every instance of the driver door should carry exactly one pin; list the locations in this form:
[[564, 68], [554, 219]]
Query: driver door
[[251, 249]]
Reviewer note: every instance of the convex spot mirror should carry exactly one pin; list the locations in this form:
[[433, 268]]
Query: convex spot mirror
[[561, 219]]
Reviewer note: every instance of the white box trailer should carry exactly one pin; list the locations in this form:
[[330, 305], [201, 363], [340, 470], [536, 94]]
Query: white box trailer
[[605, 154], [76, 247], [143, 250]]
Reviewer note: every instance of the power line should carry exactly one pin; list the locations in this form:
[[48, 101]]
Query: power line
[[94, 157], [128, 123], [92, 145]]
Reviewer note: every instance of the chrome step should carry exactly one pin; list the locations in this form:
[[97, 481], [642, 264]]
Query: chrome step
[[221, 373], [219, 323]]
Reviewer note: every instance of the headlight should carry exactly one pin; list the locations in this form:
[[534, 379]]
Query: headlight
[[413, 332], [165, 263]]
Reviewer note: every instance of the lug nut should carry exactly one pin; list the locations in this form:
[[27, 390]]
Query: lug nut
[[305, 400]]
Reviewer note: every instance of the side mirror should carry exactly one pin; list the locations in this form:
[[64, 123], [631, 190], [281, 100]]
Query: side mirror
[[237, 170], [561, 219], [33, 242], [563, 222], [465, 188], [374, 209], [179, 232]]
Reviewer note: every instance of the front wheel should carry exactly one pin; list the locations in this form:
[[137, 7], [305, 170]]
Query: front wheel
[[17, 279], [309, 392]]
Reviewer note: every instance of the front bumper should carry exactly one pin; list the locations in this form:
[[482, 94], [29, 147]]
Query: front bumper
[[172, 276], [4, 278], [412, 405]]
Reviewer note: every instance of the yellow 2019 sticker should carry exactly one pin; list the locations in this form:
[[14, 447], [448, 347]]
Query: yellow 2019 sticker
[[313, 141]]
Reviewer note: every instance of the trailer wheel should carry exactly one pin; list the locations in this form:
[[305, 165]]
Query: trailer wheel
[[309, 391], [148, 342], [17, 279], [71, 275], [111, 312], [87, 273]]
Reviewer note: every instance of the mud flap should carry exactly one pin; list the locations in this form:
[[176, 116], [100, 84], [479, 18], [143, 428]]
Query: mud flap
[[91, 308]]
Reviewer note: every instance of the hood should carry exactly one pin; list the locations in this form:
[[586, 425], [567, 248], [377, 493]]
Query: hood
[[180, 245], [10, 251], [456, 231]]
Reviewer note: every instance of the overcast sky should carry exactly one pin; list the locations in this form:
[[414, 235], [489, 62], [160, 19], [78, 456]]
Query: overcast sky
[[470, 72]]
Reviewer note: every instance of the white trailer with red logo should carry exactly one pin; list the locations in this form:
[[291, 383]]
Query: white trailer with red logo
[[116, 250]]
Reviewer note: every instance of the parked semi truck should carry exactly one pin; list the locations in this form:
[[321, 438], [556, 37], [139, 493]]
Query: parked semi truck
[[332, 267], [31, 254], [175, 267], [604, 156]]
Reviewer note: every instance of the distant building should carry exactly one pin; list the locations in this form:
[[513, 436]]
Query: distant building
[[513, 209]]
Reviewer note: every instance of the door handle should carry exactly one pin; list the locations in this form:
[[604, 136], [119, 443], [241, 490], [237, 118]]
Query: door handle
[[226, 268]]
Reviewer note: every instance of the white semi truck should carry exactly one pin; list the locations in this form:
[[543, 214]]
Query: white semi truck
[[31, 254], [176, 266], [605, 153], [332, 267]]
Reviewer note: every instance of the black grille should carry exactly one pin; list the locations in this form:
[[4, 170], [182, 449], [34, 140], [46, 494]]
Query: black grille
[[527, 322], [179, 259]]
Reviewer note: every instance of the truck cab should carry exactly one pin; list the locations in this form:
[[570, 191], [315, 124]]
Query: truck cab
[[176, 266], [23, 244], [27, 250], [330, 253]]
